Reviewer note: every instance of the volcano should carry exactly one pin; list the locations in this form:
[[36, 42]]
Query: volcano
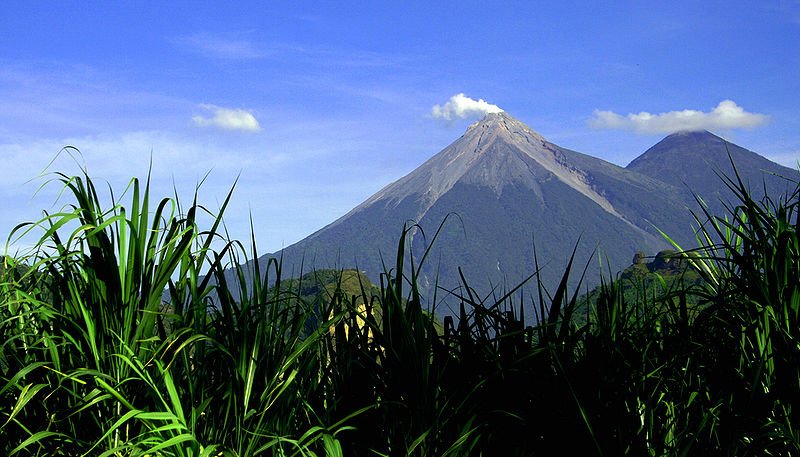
[[501, 191], [696, 161]]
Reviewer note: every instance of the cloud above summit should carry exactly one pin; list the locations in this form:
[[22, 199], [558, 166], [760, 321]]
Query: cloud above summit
[[227, 119], [462, 107], [726, 115]]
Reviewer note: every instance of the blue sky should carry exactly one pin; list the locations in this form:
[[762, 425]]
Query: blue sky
[[317, 105]]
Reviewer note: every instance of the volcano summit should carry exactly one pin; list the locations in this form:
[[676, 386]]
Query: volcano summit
[[507, 190]]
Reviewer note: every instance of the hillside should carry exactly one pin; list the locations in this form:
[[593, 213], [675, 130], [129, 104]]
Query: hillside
[[694, 162], [503, 192]]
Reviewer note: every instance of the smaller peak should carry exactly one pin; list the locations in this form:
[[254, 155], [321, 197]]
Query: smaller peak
[[690, 131], [693, 133]]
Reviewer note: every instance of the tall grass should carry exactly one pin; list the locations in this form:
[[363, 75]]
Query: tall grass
[[131, 330], [95, 361]]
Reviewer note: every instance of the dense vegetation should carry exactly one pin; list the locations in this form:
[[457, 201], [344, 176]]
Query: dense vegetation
[[95, 361]]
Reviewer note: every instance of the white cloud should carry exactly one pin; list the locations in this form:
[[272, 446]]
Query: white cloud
[[227, 119], [726, 115], [462, 107], [265, 168], [222, 48]]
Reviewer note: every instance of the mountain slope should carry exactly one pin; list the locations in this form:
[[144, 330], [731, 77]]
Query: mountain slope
[[511, 189], [692, 160]]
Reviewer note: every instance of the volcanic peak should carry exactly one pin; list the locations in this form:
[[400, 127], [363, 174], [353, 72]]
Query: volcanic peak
[[502, 124], [506, 182], [493, 153]]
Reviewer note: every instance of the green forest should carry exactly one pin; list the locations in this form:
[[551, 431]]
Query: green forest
[[124, 333]]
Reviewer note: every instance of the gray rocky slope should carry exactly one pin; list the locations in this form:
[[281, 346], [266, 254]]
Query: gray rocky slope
[[503, 190]]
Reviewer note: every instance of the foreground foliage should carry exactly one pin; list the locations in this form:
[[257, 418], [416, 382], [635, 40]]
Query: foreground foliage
[[97, 359]]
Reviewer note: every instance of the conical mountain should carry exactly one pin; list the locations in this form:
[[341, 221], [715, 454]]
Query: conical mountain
[[691, 161], [511, 190]]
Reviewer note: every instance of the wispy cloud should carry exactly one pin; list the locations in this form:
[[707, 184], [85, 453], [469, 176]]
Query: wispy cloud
[[265, 168], [227, 119], [726, 115], [462, 107], [175, 162], [222, 48]]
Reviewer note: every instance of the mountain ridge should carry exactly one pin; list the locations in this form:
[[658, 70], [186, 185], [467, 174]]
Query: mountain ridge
[[511, 189], [675, 160]]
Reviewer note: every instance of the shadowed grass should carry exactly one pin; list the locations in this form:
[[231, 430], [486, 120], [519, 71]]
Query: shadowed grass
[[130, 330]]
